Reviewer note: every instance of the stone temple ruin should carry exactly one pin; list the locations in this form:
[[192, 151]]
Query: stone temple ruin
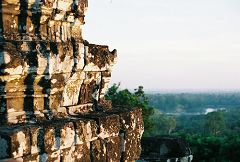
[[52, 86]]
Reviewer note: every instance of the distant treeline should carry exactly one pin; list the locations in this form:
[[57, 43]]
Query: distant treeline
[[193, 102]]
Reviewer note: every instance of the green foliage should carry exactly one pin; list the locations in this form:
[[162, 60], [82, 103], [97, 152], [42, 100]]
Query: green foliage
[[232, 121], [190, 124], [163, 124], [215, 149], [135, 99], [214, 123]]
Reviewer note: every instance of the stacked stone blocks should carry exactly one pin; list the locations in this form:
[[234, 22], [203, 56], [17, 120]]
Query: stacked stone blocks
[[112, 136], [52, 86], [47, 76]]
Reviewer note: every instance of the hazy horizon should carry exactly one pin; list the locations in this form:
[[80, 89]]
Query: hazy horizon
[[154, 91], [170, 44]]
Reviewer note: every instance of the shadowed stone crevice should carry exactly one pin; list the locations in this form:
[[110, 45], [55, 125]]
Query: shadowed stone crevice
[[45, 80], [22, 17], [1, 23], [29, 81], [36, 16]]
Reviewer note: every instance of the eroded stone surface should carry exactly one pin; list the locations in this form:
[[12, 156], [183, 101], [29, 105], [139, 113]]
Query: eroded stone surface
[[98, 150], [114, 149], [52, 87], [67, 136], [82, 152], [44, 62], [132, 146], [37, 139], [107, 129], [59, 83], [98, 136], [86, 131], [68, 155], [51, 139], [48, 20], [15, 142]]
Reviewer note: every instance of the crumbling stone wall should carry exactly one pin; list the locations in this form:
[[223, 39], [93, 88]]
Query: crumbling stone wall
[[52, 86]]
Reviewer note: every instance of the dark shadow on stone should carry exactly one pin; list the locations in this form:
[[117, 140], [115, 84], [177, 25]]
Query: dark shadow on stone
[[40, 140], [122, 134], [95, 90], [29, 81], [75, 53], [45, 81], [22, 17], [3, 100], [36, 17], [32, 62], [91, 152], [57, 137], [1, 23]]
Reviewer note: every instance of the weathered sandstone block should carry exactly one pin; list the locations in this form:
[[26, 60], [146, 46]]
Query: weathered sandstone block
[[114, 149], [132, 147], [37, 139], [80, 109], [83, 152], [68, 155], [98, 150], [105, 128], [67, 136], [86, 131], [51, 139], [14, 142], [132, 120]]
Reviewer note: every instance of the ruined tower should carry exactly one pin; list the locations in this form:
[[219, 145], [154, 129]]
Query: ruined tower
[[52, 86]]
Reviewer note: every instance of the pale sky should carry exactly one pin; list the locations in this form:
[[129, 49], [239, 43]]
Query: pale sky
[[169, 44]]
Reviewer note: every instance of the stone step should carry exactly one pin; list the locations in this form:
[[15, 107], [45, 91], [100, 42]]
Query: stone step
[[40, 75], [17, 97], [98, 136], [40, 57], [43, 57]]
